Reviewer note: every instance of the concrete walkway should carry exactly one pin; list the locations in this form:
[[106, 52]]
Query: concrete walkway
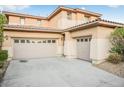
[[56, 72]]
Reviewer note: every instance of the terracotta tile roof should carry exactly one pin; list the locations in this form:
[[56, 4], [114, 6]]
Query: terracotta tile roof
[[23, 15], [73, 10], [30, 28], [57, 10], [97, 22]]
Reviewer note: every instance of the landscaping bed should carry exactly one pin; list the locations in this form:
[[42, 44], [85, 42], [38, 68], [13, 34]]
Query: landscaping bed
[[117, 69], [115, 61], [3, 69]]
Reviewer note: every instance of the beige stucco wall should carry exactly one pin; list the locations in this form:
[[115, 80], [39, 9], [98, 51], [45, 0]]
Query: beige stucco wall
[[99, 46], [30, 21], [70, 41], [80, 18], [15, 20], [69, 46], [59, 21], [77, 18], [44, 23], [65, 23], [93, 18], [85, 32], [34, 22], [102, 44], [8, 43], [55, 21]]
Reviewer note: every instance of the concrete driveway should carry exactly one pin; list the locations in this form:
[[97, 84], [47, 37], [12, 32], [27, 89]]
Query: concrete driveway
[[56, 72]]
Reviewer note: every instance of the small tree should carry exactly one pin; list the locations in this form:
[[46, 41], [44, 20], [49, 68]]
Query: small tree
[[117, 41], [3, 20]]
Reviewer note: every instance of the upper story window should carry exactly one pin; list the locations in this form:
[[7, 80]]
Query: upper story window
[[69, 15], [87, 18], [22, 21], [38, 22]]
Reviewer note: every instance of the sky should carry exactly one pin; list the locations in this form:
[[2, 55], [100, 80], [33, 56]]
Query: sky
[[109, 12]]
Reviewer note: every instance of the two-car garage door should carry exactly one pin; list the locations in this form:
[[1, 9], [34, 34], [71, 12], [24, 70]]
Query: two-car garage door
[[34, 48], [38, 48], [83, 48]]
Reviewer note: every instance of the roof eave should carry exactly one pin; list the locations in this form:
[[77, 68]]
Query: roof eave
[[57, 10], [81, 26], [30, 30], [93, 24], [23, 15], [113, 25], [60, 8]]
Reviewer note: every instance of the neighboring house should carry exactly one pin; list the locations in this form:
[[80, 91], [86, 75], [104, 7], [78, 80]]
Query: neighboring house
[[73, 33]]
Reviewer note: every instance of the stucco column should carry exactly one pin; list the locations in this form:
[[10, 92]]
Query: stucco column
[[69, 46], [60, 46], [100, 45], [99, 50]]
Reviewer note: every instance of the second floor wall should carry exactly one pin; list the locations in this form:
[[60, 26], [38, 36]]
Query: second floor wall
[[62, 20], [16, 20], [66, 19]]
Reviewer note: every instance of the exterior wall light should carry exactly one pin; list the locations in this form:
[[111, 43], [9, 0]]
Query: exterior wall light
[[6, 37]]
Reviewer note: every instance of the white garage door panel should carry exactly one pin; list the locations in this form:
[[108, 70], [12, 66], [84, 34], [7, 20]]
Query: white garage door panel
[[83, 48], [34, 50]]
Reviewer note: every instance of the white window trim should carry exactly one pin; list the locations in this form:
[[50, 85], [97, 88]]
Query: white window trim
[[69, 15], [39, 22], [22, 22]]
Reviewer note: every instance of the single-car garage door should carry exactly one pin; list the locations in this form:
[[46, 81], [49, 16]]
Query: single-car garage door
[[83, 48], [34, 48]]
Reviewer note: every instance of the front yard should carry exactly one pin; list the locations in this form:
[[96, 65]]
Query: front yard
[[58, 72], [115, 61], [3, 69], [117, 69]]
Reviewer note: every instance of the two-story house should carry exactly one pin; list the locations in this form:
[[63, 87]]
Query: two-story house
[[73, 33]]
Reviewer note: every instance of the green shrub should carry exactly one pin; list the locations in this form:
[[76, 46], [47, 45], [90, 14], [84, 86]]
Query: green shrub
[[1, 64], [122, 58], [3, 55], [114, 58], [117, 41]]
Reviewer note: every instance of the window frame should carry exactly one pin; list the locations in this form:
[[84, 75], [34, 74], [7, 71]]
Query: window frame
[[53, 41], [69, 15], [28, 41], [82, 40], [33, 41], [44, 41], [16, 40], [39, 22], [90, 39], [22, 40], [39, 42], [22, 22], [86, 39], [48, 41], [78, 40]]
